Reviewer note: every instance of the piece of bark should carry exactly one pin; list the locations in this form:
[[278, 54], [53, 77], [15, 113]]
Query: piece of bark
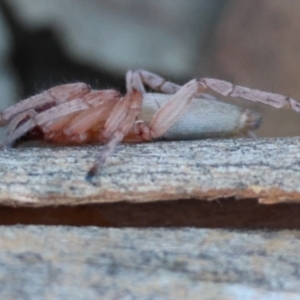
[[264, 169], [42, 262]]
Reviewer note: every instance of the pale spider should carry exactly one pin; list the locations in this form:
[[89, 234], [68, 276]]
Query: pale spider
[[76, 114]]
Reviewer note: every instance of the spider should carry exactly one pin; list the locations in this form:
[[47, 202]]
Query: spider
[[76, 114]]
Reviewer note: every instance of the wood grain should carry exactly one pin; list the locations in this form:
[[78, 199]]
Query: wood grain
[[264, 169], [41, 262]]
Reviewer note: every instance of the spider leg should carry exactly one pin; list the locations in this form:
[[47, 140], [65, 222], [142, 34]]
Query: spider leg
[[134, 80], [55, 118], [42, 118], [171, 111], [88, 119], [14, 124], [46, 99], [228, 89], [18, 118], [154, 81], [100, 102], [117, 126], [103, 103], [138, 78]]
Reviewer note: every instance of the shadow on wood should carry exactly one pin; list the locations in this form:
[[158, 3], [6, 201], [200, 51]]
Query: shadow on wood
[[227, 213]]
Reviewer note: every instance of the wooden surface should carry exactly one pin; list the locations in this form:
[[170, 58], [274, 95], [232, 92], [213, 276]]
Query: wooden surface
[[264, 169], [40, 262]]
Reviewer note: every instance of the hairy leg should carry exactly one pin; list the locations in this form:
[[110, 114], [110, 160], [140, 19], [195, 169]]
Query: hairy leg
[[155, 82], [102, 103], [134, 80], [45, 117], [57, 113], [117, 126], [30, 114], [46, 99], [228, 89], [225, 88], [171, 111]]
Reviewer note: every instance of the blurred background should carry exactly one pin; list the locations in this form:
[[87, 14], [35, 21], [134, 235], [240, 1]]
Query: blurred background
[[252, 43]]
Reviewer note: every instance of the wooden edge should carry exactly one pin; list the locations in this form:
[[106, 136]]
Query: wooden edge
[[263, 169]]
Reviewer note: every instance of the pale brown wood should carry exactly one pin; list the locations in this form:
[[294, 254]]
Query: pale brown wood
[[42, 262], [264, 169]]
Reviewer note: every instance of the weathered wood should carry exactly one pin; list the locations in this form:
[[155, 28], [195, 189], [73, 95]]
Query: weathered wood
[[91, 263], [264, 169]]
